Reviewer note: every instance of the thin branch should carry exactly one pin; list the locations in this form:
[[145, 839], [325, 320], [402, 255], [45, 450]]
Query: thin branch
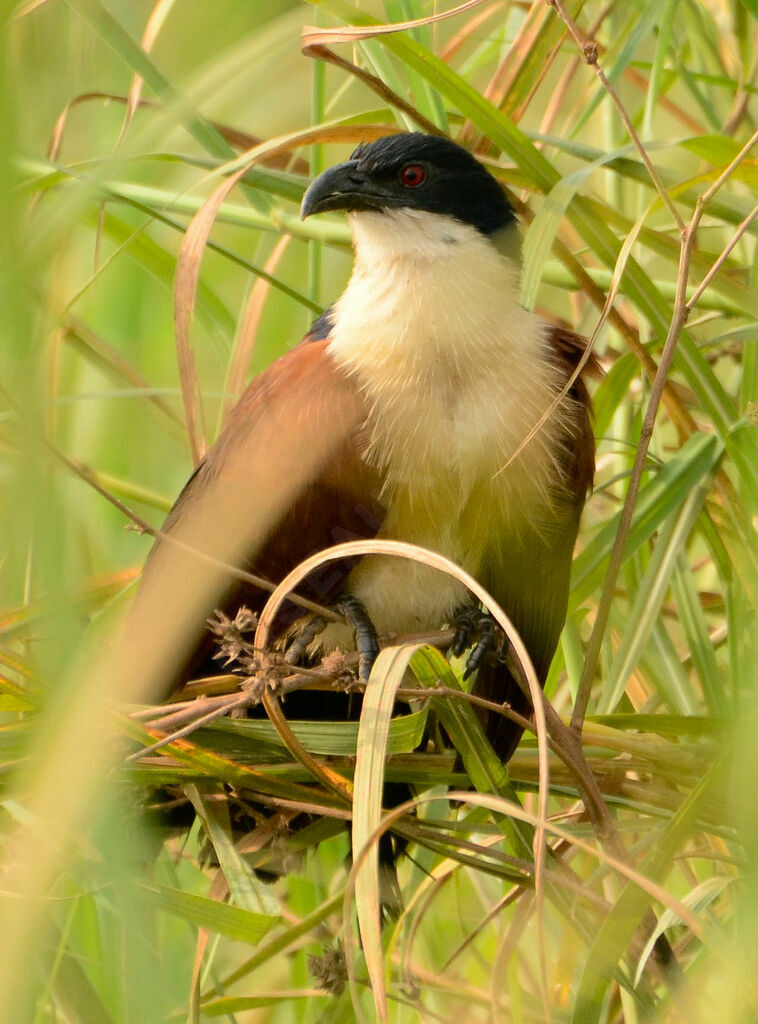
[[682, 309], [589, 50], [242, 700], [678, 320], [193, 714], [692, 301], [320, 52], [728, 171]]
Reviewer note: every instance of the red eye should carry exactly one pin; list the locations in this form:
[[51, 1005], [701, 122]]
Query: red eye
[[412, 175]]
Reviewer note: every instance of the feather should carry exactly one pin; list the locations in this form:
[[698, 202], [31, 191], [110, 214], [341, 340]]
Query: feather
[[284, 479], [529, 576]]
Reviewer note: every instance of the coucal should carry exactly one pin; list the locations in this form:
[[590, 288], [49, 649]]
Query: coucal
[[403, 414]]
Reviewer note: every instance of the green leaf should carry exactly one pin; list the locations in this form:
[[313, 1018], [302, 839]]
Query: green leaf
[[247, 891], [612, 392], [676, 726], [405, 732], [530, 61], [615, 933], [638, 26], [77, 993], [236, 923], [485, 769], [227, 1005], [695, 630], [698, 899], [281, 942], [650, 595], [116, 36], [668, 489], [662, 48], [538, 241]]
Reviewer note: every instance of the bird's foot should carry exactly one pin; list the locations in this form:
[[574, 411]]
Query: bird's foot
[[476, 627], [303, 639], [357, 618]]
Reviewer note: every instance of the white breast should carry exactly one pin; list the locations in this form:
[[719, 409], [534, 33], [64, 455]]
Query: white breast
[[456, 377]]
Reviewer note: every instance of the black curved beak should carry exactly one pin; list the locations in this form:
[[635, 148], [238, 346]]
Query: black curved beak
[[343, 187]]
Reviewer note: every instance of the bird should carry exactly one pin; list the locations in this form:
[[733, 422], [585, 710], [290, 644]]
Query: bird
[[426, 405]]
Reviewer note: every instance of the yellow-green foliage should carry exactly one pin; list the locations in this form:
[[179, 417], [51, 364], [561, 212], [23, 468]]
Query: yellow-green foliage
[[116, 123]]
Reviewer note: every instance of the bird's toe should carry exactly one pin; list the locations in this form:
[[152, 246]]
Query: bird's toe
[[476, 629]]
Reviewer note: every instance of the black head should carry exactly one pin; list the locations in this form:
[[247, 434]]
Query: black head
[[416, 172]]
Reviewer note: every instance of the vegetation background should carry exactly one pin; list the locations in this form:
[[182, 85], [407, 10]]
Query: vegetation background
[[636, 177]]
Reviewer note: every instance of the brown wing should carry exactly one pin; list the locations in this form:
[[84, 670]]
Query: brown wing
[[529, 576], [569, 350], [283, 480]]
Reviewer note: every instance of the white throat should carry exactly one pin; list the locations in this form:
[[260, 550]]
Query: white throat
[[442, 290], [452, 365]]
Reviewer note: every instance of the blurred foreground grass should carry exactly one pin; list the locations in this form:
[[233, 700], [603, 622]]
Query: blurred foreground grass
[[93, 212]]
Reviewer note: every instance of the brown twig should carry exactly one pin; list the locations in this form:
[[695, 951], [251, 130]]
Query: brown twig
[[193, 714], [589, 50], [693, 299], [241, 700], [320, 52], [557, 99]]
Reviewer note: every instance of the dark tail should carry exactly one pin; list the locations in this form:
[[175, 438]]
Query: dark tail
[[494, 682]]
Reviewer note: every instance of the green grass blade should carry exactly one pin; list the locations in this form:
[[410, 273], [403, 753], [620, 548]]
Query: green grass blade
[[235, 922], [616, 932], [247, 891], [132, 54], [668, 488], [650, 595]]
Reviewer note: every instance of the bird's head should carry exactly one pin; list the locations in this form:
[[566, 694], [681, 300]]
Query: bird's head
[[411, 171]]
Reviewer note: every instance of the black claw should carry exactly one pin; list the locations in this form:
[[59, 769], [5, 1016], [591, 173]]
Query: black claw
[[486, 630], [473, 624], [465, 623], [366, 641]]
